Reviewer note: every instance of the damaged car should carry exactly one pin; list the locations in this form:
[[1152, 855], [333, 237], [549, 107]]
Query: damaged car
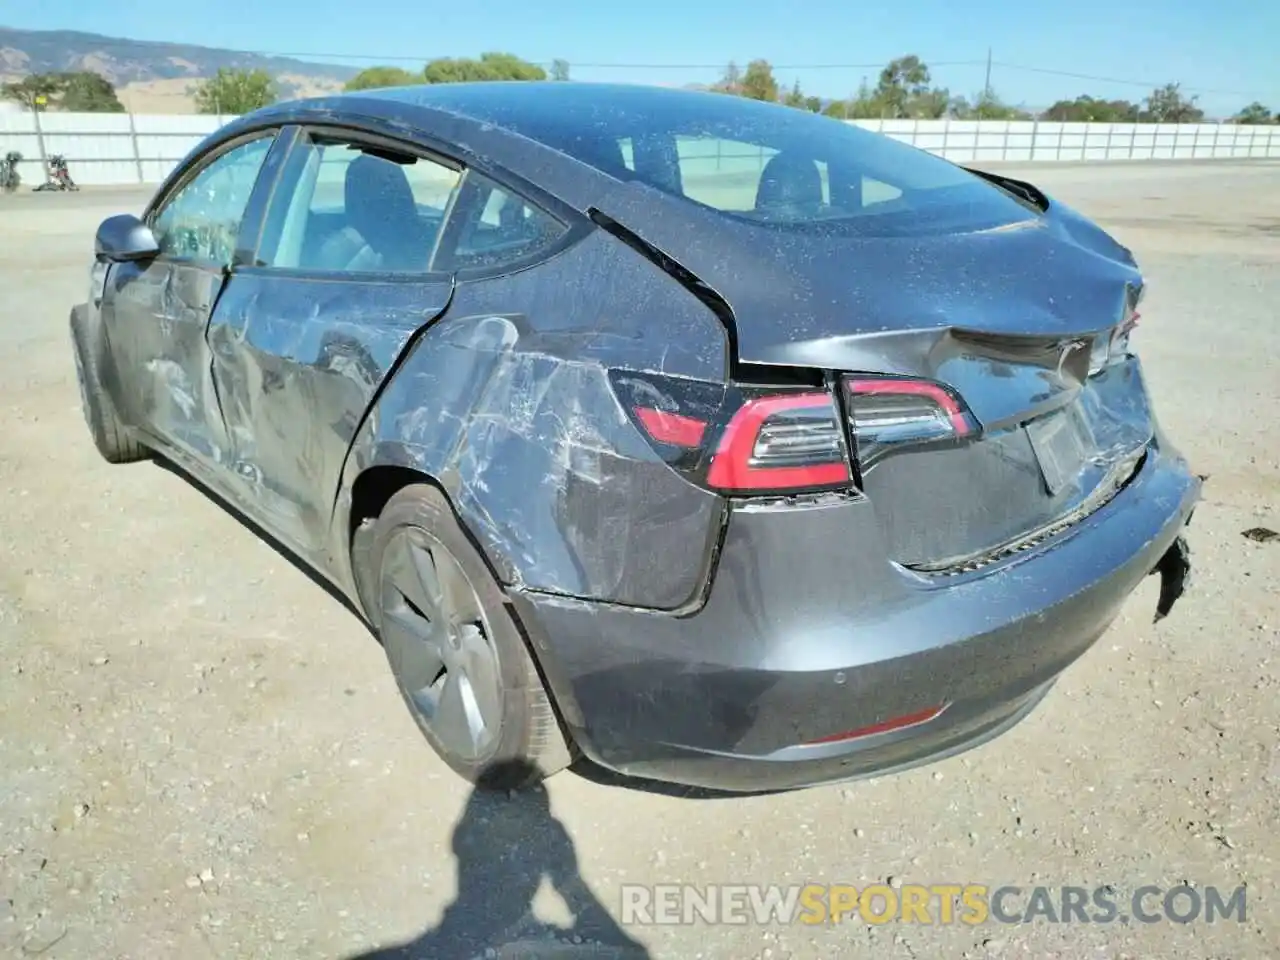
[[716, 442]]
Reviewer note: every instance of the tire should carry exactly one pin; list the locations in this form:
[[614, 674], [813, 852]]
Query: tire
[[521, 742], [113, 441]]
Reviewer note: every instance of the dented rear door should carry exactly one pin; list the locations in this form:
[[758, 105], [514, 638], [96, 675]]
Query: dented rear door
[[297, 362]]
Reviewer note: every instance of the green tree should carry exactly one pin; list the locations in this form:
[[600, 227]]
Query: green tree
[[87, 92], [235, 91], [795, 97], [1254, 113], [863, 105], [490, 67], [813, 104], [1167, 105], [860, 106], [77, 92], [987, 106], [901, 81], [559, 69], [933, 104], [36, 92], [758, 82], [1086, 109], [372, 78], [730, 80]]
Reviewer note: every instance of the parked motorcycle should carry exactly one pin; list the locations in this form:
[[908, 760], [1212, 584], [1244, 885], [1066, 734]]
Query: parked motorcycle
[[9, 176], [57, 177]]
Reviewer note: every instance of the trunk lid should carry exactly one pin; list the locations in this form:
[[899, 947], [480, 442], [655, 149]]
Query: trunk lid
[[1006, 316], [812, 299]]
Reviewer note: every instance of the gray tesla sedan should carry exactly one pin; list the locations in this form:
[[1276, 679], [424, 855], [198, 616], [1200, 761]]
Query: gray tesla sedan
[[715, 441]]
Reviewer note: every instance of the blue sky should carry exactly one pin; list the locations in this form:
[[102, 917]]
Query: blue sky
[[1225, 50]]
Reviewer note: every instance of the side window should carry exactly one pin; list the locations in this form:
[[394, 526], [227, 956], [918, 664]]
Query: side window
[[202, 220], [724, 174], [628, 153], [876, 191], [494, 226], [351, 207]]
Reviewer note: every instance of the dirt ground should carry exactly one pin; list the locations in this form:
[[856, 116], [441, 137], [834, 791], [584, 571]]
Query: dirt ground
[[202, 754]]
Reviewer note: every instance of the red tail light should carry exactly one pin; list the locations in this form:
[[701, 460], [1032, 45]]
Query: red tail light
[[887, 413], [672, 428], [740, 440], [786, 442], [754, 440]]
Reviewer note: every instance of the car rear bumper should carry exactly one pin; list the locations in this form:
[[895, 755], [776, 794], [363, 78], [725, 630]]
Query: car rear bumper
[[808, 634]]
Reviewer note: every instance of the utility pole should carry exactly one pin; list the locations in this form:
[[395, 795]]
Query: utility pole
[[986, 85]]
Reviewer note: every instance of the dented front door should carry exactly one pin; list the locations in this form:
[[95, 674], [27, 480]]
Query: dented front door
[[159, 310]]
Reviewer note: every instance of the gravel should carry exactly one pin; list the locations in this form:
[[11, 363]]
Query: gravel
[[202, 755]]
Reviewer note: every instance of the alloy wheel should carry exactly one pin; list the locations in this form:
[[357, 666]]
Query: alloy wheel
[[438, 641]]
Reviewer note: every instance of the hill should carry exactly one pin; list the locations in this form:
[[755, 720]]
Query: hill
[[154, 77]]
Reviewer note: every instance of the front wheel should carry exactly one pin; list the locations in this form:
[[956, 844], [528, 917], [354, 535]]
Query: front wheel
[[458, 657], [112, 440]]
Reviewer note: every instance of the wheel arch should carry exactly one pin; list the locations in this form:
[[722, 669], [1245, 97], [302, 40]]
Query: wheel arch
[[370, 492], [514, 416]]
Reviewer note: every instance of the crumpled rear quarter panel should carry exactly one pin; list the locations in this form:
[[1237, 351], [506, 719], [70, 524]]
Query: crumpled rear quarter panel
[[506, 402]]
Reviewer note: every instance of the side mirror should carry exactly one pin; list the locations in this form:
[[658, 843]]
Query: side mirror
[[124, 238]]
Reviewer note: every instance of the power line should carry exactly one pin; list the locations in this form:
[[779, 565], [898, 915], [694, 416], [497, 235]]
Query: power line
[[775, 66], [316, 56], [1148, 84], [932, 64], [382, 58]]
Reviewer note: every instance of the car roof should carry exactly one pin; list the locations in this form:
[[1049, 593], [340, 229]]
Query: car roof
[[554, 114], [483, 124], [485, 101], [506, 105]]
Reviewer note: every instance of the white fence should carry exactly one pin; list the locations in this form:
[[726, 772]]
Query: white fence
[[117, 148], [104, 148], [1034, 141]]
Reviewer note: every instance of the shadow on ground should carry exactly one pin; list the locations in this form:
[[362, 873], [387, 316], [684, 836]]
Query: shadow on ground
[[505, 845], [582, 767]]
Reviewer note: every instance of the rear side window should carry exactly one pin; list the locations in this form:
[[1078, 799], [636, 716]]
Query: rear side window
[[759, 163], [727, 175], [724, 174], [492, 227], [352, 207]]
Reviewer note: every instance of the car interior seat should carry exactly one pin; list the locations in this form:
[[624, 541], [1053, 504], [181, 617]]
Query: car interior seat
[[790, 185], [384, 229]]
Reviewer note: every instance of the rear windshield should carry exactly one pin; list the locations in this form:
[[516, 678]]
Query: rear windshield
[[774, 166]]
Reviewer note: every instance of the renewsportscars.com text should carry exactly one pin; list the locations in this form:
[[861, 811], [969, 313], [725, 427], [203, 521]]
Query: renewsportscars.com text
[[929, 904]]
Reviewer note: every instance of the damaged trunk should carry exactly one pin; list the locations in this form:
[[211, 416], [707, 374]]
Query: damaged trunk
[[990, 397], [1048, 443]]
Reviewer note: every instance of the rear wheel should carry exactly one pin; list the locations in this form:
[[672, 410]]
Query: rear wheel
[[459, 660], [109, 435]]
